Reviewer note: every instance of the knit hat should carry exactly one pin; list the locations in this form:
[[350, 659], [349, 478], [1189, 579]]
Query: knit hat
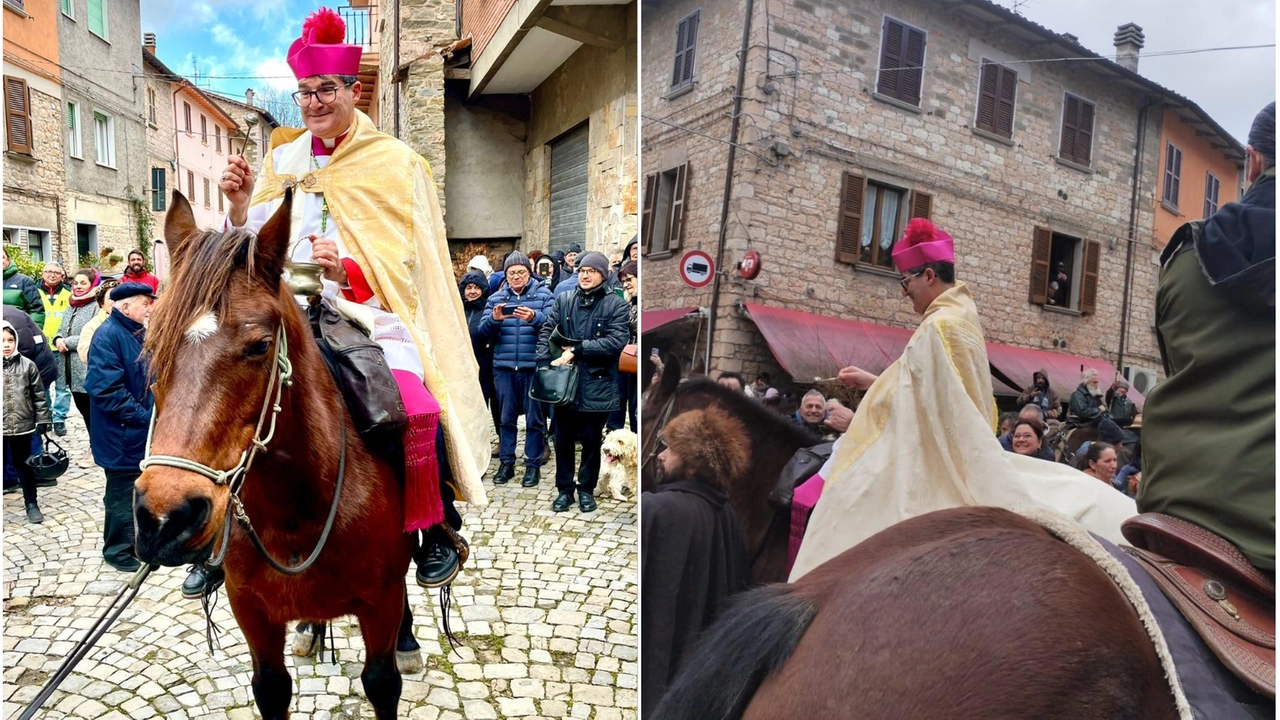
[[1262, 136], [922, 243], [515, 258], [596, 261], [712, 445], [481, 263], [574, 248], [321, 50]]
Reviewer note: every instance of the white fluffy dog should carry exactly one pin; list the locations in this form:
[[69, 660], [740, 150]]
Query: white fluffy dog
[[619, 463]]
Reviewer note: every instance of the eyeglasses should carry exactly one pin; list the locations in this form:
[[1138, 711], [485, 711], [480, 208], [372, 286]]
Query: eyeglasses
[[325, 95], [904, 281]]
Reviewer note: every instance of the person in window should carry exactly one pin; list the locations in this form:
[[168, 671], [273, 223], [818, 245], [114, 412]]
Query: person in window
[[1060, 287]]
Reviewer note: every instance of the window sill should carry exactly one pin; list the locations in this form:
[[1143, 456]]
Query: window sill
[[16, 10], [897, 103], [20, 157], [869, 269], [104, 165], [660, 255], [152, 124], [1061, 310], [1074, 166], [1170, 207], [99, 37], [77, 157], [681, 91], [1002, 140]]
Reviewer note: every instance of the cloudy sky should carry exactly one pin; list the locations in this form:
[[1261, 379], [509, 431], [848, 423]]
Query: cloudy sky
[[1232, 86]]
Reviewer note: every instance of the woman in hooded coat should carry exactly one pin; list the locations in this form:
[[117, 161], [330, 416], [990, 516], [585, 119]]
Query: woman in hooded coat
[[475, 292]]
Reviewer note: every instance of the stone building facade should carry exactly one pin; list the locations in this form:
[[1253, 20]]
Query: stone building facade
[[818, 121], [158, 100]]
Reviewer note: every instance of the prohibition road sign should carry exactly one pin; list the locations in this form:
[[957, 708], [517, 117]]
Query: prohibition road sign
[[697, 269]]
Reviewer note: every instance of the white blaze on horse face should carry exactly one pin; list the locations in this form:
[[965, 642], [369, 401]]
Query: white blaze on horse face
[[206, 326]]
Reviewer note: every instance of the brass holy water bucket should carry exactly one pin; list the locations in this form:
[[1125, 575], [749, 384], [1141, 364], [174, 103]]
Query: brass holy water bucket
[[305, 278]]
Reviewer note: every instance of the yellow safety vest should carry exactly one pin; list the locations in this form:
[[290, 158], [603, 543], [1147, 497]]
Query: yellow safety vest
[[54, 308]]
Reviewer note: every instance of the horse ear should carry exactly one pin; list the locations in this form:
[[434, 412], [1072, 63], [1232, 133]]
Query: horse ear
[[273, 242], [179, 225], [670, 375]]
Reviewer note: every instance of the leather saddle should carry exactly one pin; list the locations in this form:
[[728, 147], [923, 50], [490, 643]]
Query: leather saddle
[[1227, 600]]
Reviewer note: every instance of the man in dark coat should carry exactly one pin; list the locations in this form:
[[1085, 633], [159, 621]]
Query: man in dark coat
[[1043, 395], [474, 288], [120, 405], [593, 328], [693, 557], [512, 319], [1209, 430]]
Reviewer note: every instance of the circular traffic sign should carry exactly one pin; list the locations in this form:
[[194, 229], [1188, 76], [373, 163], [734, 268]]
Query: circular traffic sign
[[697, 269], [749, 265]]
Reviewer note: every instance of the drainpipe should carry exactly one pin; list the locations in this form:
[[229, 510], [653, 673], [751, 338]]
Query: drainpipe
[[1133, 230], [728, 181], [395, 71]]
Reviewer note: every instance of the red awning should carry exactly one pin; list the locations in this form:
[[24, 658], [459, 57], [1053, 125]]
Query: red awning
[[651, 320], [1018, 365]]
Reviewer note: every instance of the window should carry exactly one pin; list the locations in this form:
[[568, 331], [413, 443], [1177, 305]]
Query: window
[[217, 138], [220, 206], [157, 189], [68, 8], [1211, 187], [901, 62], [1064, 271], [664, 210], [191, 185], [98, 18], [16, 4], [186, 115], [86, 240], [74, 147], [36, 242], [17, 116], [1172, 175], [872, 216], [686, 43], [1076, 145], [997, 90], [204, 130], [206, 193], [104, 134], [151, 105]]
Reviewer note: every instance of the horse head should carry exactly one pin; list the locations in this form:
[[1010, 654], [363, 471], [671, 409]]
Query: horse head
[[213, 345]]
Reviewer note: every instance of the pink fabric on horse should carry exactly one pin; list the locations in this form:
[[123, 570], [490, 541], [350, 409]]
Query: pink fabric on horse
[[423, 506], [922, 243], [321, 50], [803, 500]]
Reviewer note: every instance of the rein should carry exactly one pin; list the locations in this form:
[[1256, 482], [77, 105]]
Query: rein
[[663, 418]]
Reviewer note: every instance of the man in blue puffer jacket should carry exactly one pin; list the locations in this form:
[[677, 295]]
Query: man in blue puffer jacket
[[513, 318]]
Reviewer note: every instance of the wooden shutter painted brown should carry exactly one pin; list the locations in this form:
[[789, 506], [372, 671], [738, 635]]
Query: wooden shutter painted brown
[[1041, 248], [891, 51], [1084, 134], [921, 205], [1067, 144], [914, 59], [849, 226], [675, 231], [1089, 288], [191, 186], [17, 115], [1007, 94], [686, 42], [646, 215], [988, 88]]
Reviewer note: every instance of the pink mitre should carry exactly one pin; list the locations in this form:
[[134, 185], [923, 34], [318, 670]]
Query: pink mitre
[[922, 243], [321, 50]]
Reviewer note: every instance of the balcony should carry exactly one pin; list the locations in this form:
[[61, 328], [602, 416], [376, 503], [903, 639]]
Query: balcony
[[361, 17]]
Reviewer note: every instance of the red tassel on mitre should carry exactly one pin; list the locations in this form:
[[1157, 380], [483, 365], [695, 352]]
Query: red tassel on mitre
[[919, 230], [324, 27], [922, 243]]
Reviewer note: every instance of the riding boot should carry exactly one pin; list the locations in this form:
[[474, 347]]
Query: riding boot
[[439, 560]]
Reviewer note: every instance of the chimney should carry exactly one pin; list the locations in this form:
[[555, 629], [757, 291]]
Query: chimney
[[149, 42], [1129, 41], [248, 97], [1070, 38]]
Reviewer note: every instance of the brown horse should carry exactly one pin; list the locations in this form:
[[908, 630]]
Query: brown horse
[[217, 344], [774, 440], [962, 613]]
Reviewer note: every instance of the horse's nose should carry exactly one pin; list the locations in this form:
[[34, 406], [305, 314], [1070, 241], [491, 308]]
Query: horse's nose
[[162, 537]]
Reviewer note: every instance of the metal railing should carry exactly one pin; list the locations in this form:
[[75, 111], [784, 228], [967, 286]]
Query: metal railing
[[362, 28]]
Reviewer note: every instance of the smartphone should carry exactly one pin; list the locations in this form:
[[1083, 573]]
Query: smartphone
[[508, 310], [653, 352]]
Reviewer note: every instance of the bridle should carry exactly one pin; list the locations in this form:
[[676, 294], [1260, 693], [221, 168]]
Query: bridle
[[281, 377], [663, 417]]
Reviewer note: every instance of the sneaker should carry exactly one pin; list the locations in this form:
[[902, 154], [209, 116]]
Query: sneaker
[[200, 577], [562, 502], [60, 429], [586, 503], [33, 513], [531, 477], [506, 471], [439, 565]]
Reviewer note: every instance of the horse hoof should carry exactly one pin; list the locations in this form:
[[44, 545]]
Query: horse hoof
[[306, 642], [409, 662]]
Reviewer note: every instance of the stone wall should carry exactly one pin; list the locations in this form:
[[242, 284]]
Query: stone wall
[[425, 26], [537, 199], [611, 176], [33, 186], [989, 195]]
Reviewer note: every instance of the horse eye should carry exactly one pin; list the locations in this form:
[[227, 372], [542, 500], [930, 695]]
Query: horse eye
[[258, 349]]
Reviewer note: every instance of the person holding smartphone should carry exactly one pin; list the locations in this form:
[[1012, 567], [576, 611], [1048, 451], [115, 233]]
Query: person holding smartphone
[[512, 319]]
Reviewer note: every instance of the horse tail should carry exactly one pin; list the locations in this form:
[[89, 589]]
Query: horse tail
[[751, 641]]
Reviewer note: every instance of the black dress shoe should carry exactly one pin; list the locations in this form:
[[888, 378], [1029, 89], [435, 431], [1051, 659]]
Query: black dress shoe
[[33, 513], [201, 577], [586, 503], [506, 471], [439, 565], [562, 502], [530, 477], [126, 564], [60, 429]]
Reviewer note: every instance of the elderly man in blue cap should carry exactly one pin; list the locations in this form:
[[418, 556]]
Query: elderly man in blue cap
[[120, 404]]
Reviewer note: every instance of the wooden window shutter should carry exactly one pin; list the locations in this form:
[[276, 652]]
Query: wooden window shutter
[[921, 205], [646, 215], [675, 231], [678, 69], [1070, 112], [988, 88], [913, 58], [849, 225], [191, 186], [891, 50], [17, 115], [97, 18], [206, 192], [1007, 93], [1084, 134], [1041, 248], [1169, 150], [1089, 288], [1177, 175], [686, 41]]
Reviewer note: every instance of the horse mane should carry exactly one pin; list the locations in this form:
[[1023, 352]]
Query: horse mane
[[759, 419], [200, 283]]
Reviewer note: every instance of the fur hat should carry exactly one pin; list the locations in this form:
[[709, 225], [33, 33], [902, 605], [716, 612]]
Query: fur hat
[[712, 445]]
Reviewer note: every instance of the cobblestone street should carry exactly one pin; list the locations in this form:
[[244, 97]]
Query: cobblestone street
[[546, 609]]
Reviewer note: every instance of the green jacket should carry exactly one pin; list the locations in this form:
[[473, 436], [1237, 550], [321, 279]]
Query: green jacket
[[22, 292]]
